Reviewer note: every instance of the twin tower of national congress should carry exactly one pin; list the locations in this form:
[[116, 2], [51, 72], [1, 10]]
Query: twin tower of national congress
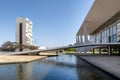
[[24, 31]]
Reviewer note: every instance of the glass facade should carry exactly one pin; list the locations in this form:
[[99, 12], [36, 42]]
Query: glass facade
[[118, 32], [110, 34]]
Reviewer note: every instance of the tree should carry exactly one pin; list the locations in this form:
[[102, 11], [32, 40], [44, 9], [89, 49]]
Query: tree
[[8, 46], [16, 45], [31, 47]]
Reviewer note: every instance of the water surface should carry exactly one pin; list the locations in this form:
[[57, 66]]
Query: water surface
[[62, 67]]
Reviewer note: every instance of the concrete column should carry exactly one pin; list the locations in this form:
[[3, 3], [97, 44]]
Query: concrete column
[[109, 50], [76, 39], [81, 38], [119, 50], [99, 50], [93, 51]]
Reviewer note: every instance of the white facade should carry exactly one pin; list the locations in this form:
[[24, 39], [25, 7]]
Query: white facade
[[26, 31]]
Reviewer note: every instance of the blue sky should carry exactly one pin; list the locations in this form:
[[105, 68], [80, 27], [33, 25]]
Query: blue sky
[[55, 22]]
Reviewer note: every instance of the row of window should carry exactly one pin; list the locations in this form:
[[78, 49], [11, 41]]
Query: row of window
[[108, 35]]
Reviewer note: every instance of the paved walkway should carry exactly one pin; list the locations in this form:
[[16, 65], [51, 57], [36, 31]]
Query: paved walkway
[[5, 59], [110, 64]]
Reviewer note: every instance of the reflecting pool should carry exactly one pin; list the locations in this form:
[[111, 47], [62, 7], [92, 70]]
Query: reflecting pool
[[62, 67]]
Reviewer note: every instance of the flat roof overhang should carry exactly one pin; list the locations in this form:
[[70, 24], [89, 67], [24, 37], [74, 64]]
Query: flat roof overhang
[[100, 12]]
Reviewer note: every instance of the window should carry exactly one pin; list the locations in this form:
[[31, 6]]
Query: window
[[109, 39], [114, 29], [107, 34], [104, 36], [111, 30], [118, 27], [98, 38], [118, 32], [114, 38]]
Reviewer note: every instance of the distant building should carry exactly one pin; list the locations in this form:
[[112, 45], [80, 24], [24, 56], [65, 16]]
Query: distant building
[[24, 31], [42, 48]]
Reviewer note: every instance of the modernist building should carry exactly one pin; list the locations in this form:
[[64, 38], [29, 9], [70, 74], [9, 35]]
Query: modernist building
[[24, 31], [102, 23]]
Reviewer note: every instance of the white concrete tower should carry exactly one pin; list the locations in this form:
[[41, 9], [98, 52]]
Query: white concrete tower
[[24, 31]]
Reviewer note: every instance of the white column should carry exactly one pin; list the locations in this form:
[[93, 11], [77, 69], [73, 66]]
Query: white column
[[81, 38], [76, 40]]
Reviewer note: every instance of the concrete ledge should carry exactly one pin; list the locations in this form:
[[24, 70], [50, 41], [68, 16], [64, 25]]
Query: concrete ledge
[[108, 64]]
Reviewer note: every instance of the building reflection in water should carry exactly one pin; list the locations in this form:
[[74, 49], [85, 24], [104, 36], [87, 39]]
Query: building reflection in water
[[55, 68], [63, 67], [24, 71]]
